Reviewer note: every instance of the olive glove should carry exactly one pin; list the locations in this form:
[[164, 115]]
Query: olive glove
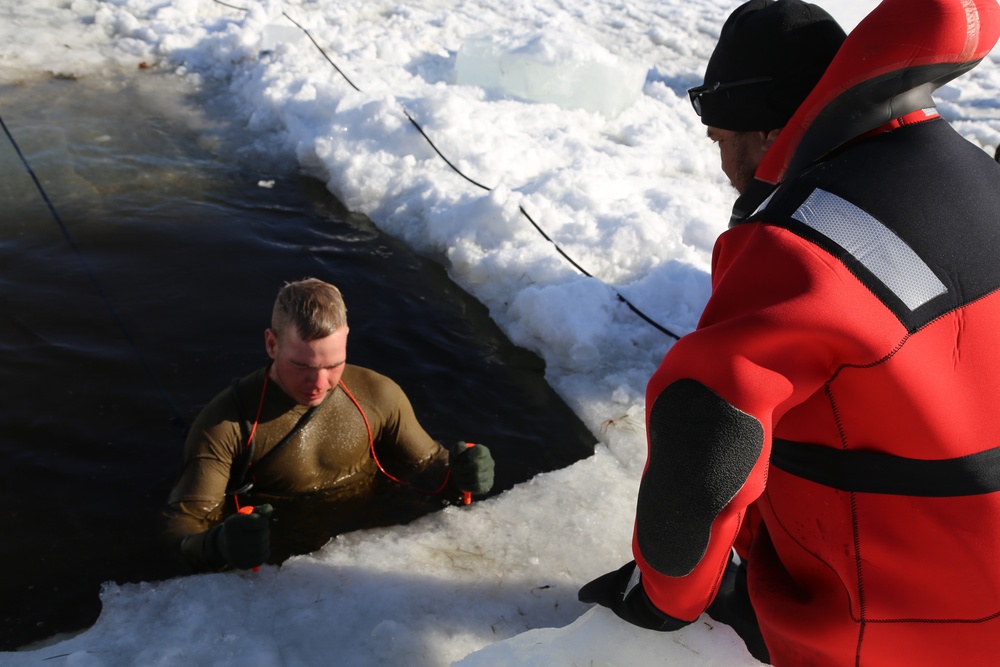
[[471, 467], [241, 541]]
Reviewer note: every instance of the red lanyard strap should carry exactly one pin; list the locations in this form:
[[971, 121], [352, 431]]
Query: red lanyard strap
[[303, 420], [371, 446], [249, 447]]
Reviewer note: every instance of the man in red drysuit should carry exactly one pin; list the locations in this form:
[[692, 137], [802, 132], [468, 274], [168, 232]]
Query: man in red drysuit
[[833, 418]]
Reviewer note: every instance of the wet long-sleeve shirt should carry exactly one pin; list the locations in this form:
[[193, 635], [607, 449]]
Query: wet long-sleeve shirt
[[321, 482]]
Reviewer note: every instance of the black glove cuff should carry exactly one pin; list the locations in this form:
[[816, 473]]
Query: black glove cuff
[[642, 612], [631, 605]]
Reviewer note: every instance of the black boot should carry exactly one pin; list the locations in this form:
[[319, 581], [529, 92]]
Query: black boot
[[732, 607]]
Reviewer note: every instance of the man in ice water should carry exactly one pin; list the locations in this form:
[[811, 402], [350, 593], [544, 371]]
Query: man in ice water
[[833, 418], [310, 437]]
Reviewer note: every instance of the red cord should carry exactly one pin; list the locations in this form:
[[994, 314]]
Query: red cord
[[260, 406], [371, 445], [253, 431]]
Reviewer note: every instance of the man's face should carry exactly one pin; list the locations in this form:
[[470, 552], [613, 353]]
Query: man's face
[[741, 153], [306, 370]]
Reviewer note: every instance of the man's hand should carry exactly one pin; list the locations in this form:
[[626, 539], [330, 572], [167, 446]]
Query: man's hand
[[471, 467], [621, 591], [241, 541]]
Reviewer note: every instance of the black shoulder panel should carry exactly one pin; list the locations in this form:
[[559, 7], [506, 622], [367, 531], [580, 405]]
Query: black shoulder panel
[[701, 451], [913, 213]]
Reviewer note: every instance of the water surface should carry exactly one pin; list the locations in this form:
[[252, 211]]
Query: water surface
[[145, 288]]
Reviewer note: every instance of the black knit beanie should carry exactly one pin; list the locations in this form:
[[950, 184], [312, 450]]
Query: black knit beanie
[[789, 41]]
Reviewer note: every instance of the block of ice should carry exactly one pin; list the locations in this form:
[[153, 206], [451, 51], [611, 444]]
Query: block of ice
[[273, 35], [550, 67]]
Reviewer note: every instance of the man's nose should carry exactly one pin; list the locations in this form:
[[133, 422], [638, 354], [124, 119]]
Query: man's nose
[[322, 378], [314, 377]]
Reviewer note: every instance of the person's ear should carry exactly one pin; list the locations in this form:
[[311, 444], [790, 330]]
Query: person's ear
[[271, 343], [769, 137]]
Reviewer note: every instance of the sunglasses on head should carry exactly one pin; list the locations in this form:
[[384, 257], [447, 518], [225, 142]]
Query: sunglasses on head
[[696, 93]]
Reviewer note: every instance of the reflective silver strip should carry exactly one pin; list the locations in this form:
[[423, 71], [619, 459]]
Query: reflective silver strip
[[874, 245]]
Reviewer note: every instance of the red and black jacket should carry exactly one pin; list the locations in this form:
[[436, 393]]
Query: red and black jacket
[[836, 414]]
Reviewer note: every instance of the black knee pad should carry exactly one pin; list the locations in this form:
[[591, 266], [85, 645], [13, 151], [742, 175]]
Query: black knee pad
[[701, 452]]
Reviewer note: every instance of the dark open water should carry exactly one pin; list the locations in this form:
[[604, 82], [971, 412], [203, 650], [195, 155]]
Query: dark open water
[[115, 333]]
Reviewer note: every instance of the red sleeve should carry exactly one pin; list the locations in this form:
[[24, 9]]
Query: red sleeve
[[784, 315]]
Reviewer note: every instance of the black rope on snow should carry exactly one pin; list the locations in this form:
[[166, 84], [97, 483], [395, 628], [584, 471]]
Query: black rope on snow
[[441, 155], [226, 4], [316, 44], [176, 419], [558, 249], [458, 171]]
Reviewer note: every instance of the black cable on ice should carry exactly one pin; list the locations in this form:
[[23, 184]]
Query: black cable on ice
[[458, 171]]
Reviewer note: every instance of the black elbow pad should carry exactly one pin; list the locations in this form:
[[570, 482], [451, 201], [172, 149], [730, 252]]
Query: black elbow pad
[[701, 452]]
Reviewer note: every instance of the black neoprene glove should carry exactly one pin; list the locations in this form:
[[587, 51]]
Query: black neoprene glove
[[621, 591], [471, 467], [241, 541]]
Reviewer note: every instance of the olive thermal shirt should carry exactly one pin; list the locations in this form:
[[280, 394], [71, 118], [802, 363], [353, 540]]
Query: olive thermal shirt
[[321, 482]]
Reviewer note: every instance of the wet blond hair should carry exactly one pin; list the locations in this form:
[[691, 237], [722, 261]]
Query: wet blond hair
[[316, 309]]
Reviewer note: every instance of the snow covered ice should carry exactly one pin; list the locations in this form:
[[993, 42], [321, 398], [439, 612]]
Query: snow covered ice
[[615, 168]]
